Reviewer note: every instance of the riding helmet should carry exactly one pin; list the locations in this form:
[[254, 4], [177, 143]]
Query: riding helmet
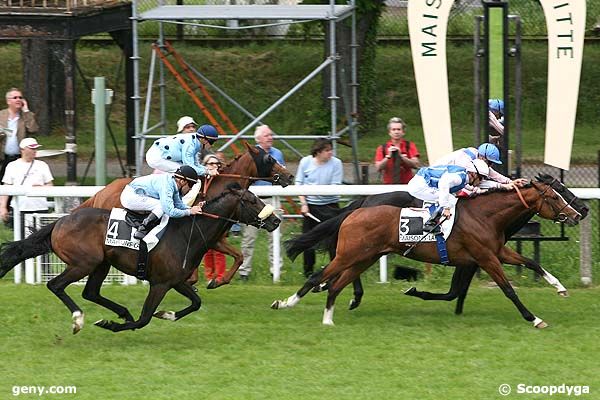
[[490, 152], [480, 167], [208, 132], [188, 173], [496, 105]]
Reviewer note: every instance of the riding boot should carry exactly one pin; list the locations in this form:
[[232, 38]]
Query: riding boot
[[146, 226], [431, 225]]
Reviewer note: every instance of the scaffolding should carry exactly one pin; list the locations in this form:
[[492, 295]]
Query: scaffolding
[[186, 14]]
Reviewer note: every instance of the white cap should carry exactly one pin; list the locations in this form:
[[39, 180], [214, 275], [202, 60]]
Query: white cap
[[183, 121], [29, 142], [479, 166]]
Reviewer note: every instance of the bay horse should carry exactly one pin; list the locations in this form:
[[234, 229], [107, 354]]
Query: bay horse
[[461, 278], [78, 240], [252, 165], [477, 239]]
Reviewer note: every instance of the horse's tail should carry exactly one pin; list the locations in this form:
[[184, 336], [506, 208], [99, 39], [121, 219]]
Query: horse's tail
[[323, 236], [36, 244]]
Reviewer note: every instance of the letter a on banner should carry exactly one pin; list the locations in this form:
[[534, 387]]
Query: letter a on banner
[[428, 23], [566, 29]]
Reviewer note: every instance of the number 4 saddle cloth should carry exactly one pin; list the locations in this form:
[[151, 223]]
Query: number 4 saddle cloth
[[412, 220], [121, 227]]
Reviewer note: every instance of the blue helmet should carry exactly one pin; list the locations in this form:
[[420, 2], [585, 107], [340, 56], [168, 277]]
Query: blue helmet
[[496, 105], [208, 132], [490, 152]]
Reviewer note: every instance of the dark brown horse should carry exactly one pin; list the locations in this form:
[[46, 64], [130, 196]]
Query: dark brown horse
[[477, 239], [78, 240], [254, 164]]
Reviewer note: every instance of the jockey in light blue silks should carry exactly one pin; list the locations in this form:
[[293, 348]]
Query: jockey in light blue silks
[[160, 194], [438, 184]]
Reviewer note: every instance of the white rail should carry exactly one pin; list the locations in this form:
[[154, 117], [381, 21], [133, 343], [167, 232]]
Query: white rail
[[275, 191]]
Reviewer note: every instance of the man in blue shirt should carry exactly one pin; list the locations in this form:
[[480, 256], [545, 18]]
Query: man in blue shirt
[[160, 194], [320, 168], [263, 135]]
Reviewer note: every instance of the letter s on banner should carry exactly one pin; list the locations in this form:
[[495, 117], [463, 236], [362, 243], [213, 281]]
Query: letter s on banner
[[566, 30], [428, 23]]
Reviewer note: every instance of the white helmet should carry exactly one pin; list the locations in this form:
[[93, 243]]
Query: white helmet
[[479, 166], [183, 121]]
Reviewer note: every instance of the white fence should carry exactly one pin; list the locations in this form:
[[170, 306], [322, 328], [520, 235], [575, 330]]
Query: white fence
[[275, 191]]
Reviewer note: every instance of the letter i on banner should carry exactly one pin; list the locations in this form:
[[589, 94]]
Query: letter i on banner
[[566, 30], [428, 23]]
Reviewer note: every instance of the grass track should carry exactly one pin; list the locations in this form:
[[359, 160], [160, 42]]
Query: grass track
[[392, 347]]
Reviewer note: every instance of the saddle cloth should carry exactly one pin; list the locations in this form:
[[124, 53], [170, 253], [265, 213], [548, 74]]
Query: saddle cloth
[[410, 228], [119, 232]]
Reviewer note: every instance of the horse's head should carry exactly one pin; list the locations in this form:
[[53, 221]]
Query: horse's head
[[267, 167], [252, 210], [558, 203]]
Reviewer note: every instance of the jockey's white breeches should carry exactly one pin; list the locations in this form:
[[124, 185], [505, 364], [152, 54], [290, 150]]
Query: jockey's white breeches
[[419, 188], [140, 202], [155, 160]]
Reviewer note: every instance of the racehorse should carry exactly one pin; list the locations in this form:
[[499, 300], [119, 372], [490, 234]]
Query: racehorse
[[78, 240], [461, 278], [254, 164], [477, 239]]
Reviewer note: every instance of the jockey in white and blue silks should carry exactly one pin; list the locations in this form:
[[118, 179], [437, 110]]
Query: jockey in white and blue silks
[[160, 194], [438, 184], [169, 153], [488, 153]]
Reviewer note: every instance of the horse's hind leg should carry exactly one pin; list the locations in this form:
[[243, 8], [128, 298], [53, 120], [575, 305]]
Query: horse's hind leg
[[314, 280], [156, 294], [509, 256], [456, 285], [57, 286], [347, 276], [466, 276], [92, 288], [358, 293], [189, 292]]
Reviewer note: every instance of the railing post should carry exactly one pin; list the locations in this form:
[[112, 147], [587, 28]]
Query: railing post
[[585, 251]]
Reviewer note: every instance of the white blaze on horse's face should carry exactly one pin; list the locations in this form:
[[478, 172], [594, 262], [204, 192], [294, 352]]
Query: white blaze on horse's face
[[266, 212], [567, 211]]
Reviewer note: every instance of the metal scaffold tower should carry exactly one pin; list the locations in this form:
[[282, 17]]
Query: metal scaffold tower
[[291, 14]]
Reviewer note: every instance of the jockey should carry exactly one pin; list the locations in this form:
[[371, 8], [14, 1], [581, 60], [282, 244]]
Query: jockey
[[169, 153], [160, 194], [488, 153], [436, 184]]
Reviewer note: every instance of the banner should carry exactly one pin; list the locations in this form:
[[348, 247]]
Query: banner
[[428, 23], [566, 30]]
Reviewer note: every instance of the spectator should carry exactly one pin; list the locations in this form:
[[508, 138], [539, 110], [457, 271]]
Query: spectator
[[496, 120], [396, 158], [26, 171], [16, 123], [263, 135], [186, 125], [214, 261], [320, 168]]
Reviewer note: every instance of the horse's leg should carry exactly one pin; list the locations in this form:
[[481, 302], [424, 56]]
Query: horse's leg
[[92, 288], [314, 280], [57, 286], [493, 267], [509, 256], [467, 275], [451, 294], [155, 295], [186, 290], [226, 248], [358, 293], [347, 276]]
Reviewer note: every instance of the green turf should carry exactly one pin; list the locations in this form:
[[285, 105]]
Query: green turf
[[236, 347]]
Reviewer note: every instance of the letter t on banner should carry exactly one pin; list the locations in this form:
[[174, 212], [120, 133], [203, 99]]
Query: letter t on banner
[[428, 23], [566, 29]]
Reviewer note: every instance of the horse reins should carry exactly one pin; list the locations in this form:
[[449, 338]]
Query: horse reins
[[544, 199]]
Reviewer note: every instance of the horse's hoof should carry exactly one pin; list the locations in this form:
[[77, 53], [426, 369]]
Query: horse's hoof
[[276, 304], [328, 323], [539, 324], [103, 323], [353, 304], [168, 315], [563, 293], [212, 284], [411, 291], [77, 325]]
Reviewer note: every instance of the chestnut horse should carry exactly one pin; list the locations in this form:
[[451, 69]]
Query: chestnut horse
[[78, 240], [477, 239], [254, 164]]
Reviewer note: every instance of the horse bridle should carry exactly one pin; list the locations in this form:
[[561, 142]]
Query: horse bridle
[[259, 221], [560, 216]]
